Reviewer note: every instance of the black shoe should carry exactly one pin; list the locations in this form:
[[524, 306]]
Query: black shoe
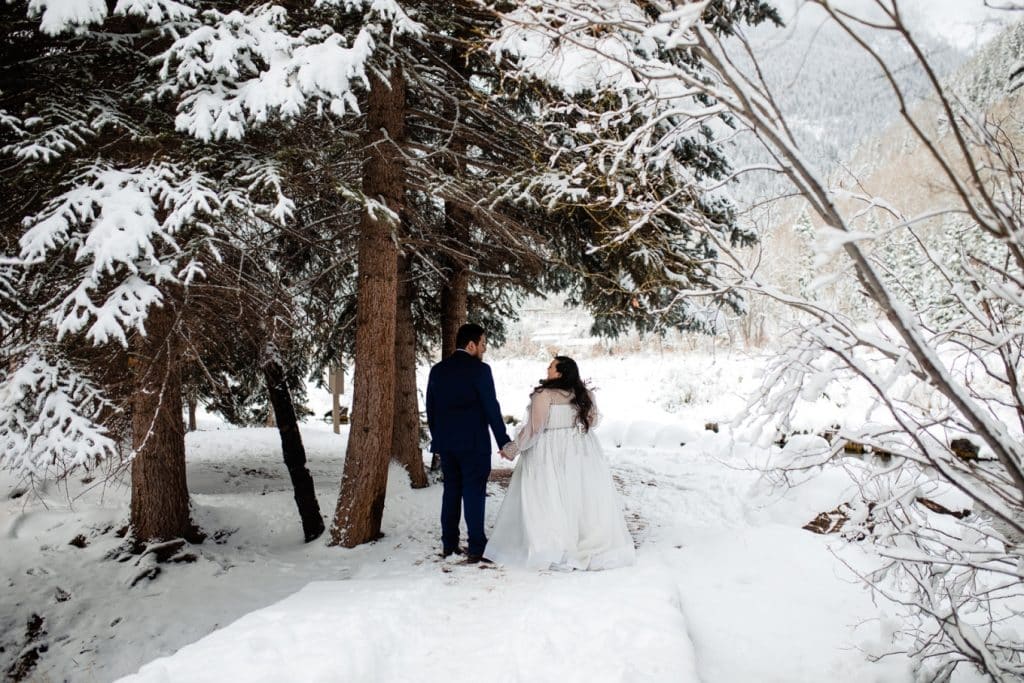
[[477, 559], [453, 551]]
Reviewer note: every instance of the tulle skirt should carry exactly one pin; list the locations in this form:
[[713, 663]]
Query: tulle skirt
[[562, 509]]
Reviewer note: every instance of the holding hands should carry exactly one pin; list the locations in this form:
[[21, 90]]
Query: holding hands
[[509, 451]]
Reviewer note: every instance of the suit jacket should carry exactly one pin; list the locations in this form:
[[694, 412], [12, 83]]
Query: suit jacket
[[461, 404]]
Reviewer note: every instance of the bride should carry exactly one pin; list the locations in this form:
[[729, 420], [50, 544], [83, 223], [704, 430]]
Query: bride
[[561, 510]]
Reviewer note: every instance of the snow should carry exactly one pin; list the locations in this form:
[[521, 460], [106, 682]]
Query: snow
[[516, 627], [42, 428], [245, 68], [727, 586], [155, 11], [57, 16], [120, 223], [963, 23]]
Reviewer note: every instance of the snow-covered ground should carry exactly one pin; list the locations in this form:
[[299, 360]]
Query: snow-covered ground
[[728, 588]]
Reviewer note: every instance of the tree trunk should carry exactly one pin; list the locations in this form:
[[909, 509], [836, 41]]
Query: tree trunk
[[192, 406], [293, 450], [335, 380], [405, 442], [454, 303], [364, 480], [454, 299], [159, 500], [454, 292]]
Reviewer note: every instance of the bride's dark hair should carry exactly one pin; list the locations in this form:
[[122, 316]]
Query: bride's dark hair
[[570, 381]]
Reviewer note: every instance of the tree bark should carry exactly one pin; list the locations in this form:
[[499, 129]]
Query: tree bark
[[159, 500], [192, 406], [405, 442], [335, 378], [364, 480], [454, 302], [292, 449]]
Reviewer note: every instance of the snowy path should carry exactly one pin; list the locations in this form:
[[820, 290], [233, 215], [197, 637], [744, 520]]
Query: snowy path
[[726, 589], [401, 613], [446, 627], [721, 593]]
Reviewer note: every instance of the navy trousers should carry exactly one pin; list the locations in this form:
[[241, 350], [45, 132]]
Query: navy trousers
[[465, 485]]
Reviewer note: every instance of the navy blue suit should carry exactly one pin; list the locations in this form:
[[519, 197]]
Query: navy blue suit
[[461, 405]]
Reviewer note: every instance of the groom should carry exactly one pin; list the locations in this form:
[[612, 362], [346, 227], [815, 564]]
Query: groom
[[461, 404]]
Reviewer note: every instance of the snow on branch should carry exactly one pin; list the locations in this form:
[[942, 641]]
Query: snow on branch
[[48, 419], [240, 69], [385, 10], [45, 145], [634, 104], [57, 16], [121, 224], [262, 176], [553, 42], [155, 11], [63, 122], [8, 295], [60, 16]]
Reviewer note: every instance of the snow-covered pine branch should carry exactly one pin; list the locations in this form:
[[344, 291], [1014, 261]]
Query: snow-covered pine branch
[[628, 110], [135, 228], [263, 177], [49, 416], [239, 69], [60, 16]]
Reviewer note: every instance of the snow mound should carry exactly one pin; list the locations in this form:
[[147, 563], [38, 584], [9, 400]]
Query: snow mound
[[518, 626]]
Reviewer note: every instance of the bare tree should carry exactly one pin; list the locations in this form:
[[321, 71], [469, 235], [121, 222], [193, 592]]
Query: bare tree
[[938, 367]]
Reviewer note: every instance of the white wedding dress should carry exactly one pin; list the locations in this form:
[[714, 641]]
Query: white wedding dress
[[561, 509]]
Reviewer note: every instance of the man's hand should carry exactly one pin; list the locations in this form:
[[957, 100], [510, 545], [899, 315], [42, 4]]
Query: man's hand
[[510, 450]]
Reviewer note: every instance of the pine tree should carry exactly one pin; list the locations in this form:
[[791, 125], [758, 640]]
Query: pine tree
[[364, 480], [108, 223], [634, 166], [117, 222]]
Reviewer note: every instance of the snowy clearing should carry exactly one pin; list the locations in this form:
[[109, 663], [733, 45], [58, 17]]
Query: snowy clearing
[[727, 586]]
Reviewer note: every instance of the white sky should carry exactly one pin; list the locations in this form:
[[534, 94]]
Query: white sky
[[964, 23]]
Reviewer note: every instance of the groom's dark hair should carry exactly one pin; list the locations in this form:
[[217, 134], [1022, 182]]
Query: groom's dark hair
[[470, 332]]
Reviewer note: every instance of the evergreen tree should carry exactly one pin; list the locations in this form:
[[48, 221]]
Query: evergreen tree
[[117, 223], [111, 219], [636, 165]]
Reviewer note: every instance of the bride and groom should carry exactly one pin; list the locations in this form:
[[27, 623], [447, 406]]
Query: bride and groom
[[561, 509]]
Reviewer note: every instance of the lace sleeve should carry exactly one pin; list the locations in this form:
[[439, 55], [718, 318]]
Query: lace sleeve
[[536, 419]]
